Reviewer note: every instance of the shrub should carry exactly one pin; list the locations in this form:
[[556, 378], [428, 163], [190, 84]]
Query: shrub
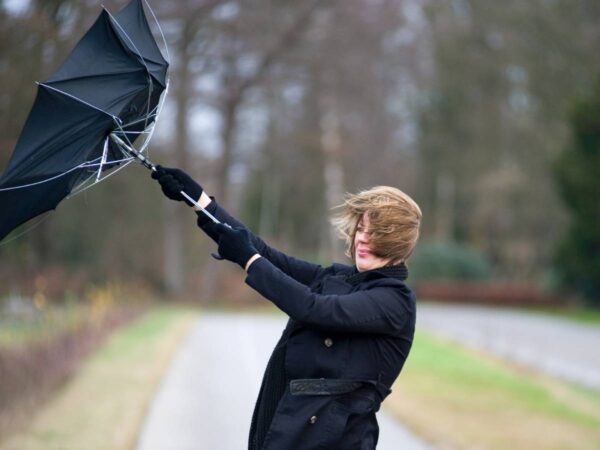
[[448, 261], [577, 259]]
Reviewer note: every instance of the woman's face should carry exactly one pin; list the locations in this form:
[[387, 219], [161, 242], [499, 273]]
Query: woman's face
[[363, 256]]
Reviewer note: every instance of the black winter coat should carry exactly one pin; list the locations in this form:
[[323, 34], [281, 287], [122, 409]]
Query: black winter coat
[[345, 345]]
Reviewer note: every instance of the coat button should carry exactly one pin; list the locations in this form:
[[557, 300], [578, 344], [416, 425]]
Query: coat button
[[328, 342], [313, 420]]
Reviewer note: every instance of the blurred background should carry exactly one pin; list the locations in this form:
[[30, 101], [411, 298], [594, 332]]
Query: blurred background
[[484, 112], [487, 113]]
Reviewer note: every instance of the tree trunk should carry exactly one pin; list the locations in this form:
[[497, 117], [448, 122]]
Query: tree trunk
[[175, 276], [227, 135], [333, 174], [444, 214]]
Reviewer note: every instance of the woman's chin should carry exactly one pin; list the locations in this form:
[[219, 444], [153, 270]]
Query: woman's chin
[[363, 264], [368, 263]]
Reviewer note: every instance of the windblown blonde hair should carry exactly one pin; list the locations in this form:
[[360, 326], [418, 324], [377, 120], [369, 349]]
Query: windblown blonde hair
[[394, 222]]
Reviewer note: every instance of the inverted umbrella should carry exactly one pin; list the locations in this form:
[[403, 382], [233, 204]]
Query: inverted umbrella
[[86, 117]]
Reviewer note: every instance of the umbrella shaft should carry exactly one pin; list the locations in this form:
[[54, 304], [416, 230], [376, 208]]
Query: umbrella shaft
[[132, 151], [206, 213], [148, 164]]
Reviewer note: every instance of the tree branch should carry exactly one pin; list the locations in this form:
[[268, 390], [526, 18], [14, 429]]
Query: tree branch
[[288, 39]]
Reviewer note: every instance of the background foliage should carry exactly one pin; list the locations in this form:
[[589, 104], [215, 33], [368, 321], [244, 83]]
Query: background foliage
[[279, 107], [577, 175]]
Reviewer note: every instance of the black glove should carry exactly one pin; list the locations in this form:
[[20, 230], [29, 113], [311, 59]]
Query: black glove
[[206, 224], [235, 244], [172, 181]]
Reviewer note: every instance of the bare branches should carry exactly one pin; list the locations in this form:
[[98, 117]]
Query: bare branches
[[286, 41]]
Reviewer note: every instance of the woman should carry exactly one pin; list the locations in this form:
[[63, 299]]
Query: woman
[[350, 328]]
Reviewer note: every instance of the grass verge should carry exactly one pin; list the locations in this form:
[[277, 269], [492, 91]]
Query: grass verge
[[103, 406], [586, 316], [463, 399]]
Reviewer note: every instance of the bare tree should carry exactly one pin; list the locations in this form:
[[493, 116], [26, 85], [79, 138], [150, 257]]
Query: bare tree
[[213, 39]]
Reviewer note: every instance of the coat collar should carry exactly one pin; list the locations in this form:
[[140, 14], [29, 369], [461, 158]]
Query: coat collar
[[399, 271]]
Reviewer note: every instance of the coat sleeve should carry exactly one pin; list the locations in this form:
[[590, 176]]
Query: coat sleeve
[[381, 310], [301, 271]]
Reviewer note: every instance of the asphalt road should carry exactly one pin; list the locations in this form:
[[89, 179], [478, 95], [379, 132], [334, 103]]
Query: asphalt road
[[207, 396], [558, 347]]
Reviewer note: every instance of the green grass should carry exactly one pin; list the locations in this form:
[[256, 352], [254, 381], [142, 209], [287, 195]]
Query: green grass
[[589, 316], [470, 400], [103, 406], [582, 315], [483, 377]]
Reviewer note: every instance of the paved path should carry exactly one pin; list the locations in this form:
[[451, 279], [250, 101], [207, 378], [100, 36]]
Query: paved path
[[559, 347], [207, 396]]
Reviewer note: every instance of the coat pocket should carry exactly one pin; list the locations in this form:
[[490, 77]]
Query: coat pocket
[[310, 422]]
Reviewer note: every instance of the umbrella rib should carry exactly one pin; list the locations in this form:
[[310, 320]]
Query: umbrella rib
[[26, 230], [10, 188], [159, 29], [143, 119], [80, 187], [150, 113], [159, 108], [138, 53], [103, 160], [140, 57], [78, 190], [143, 131], [124, 134], [78, 99], [88, 76], [80, 166]]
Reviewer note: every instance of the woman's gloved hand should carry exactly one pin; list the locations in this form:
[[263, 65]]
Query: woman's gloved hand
[[235, 244], [173, 181]]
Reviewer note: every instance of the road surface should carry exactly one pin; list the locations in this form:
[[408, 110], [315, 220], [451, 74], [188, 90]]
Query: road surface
[[558, 347]]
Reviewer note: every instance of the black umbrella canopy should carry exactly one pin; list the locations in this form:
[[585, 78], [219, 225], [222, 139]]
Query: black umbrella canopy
[[111, 82]]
